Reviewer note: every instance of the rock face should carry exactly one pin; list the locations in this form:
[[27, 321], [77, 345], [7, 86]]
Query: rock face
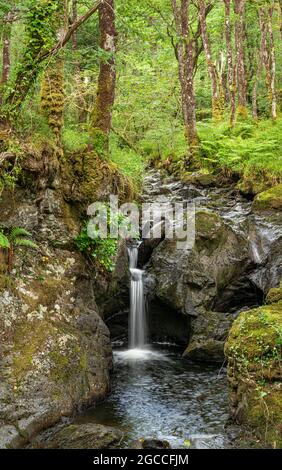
[[253, 351], [202, 281], [55, 352], [236, 259]]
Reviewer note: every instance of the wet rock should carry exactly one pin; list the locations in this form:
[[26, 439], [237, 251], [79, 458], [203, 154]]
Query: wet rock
[[190, 280], [204, 179], [150, 444], [209, 333], [85, 436]]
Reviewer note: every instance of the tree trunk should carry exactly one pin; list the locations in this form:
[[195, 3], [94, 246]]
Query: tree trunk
[[272, 66], [6, 54], [268, 56], [101, 120], [37, 51], [80, 102], [6, 59], [185, 53], [217, 91], [230, 64], [239, 8]]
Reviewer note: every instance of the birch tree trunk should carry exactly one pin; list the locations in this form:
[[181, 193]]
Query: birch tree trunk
[[268, 56], [272, 88], [186, 62], [230, 64], [239, 8], [217, 90], [101, 120]]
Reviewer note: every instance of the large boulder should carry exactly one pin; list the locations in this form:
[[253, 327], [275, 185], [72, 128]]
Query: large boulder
[[203, 283], [253, 351]]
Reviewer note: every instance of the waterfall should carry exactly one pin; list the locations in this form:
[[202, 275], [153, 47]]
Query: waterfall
[[137, 321]]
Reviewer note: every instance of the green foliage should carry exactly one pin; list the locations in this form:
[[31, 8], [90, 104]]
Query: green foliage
[[17, 237], [249, 148], [102, 250], [74, 139], [129, 162], [4, 241]]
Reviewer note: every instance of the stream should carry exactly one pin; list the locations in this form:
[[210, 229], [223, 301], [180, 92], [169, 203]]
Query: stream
[[159, 395]]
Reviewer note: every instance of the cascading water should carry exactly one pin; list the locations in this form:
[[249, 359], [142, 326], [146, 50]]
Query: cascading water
[[137, 321]]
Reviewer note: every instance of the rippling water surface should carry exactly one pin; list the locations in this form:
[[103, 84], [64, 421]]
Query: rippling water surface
[[157, 394]]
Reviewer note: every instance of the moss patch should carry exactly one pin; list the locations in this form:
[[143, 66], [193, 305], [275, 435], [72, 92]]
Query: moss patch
[[268, 200], [274, 295], [254, 357]]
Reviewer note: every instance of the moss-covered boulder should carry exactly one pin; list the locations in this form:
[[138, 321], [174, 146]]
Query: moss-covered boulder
[[269, 200], [254, 358], [274, 295]]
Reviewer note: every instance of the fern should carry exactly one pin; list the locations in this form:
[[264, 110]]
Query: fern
[[19, 232], [4, 241], [24, 242]]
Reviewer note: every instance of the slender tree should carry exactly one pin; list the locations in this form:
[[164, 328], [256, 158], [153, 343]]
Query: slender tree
[[101, 119], [268, 55], [230, 62], [217, 89], [239, 9], [42, 28]]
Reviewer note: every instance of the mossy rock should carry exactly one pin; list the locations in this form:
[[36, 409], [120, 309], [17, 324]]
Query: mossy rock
[[269, 200], [211, 231], [200, 178], [248, 186], [86, 436], [274, 295], [254, 358]]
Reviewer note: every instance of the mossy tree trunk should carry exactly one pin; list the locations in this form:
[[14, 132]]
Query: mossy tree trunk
[[230, 63], [217, 89], [185, 54], [41, 29], [101, 119], [239, 9], [268, 56]]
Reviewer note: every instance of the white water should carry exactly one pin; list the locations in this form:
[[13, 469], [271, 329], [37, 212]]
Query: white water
[[137, 321]]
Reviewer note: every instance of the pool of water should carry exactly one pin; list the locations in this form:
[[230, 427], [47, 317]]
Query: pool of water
[[157, 394]]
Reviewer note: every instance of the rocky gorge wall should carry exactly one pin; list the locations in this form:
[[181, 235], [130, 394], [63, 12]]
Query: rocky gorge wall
[[55, 349]]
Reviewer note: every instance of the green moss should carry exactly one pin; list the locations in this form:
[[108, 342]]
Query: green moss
[[100, 142], [270, 199], [210, 230], [28, 340], [274, 295], [90, 177], [254, 350]]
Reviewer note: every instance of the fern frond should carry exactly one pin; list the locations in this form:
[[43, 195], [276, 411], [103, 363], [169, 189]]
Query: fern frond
[[19, 232], [24, 242], [4, 242]]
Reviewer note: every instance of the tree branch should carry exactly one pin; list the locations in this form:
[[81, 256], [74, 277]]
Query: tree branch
[[71, 30]]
